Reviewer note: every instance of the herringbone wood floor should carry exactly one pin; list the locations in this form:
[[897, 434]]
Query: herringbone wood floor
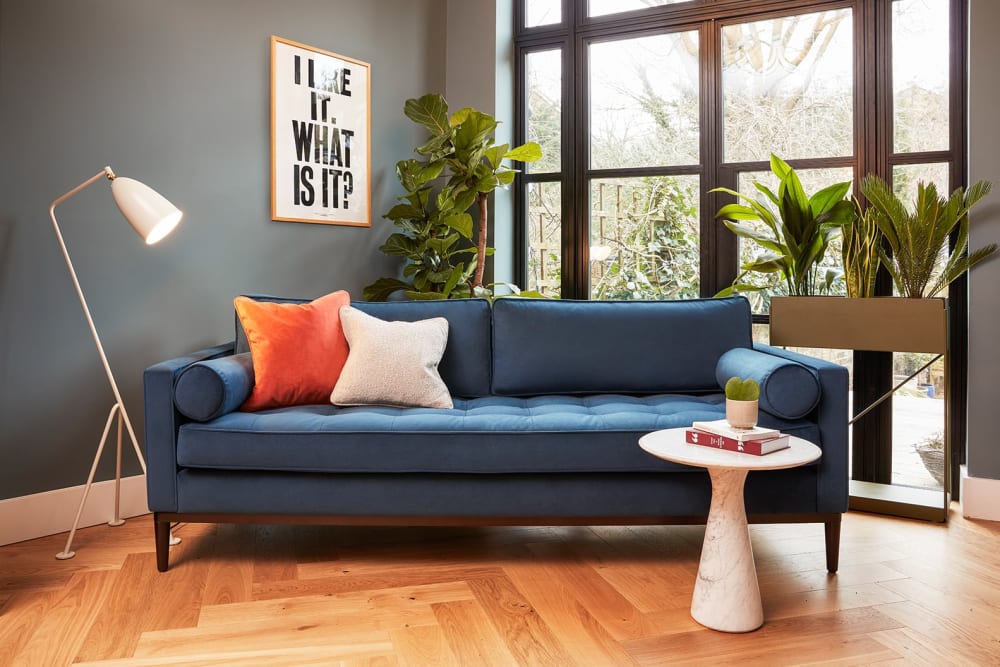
[[908, 593]]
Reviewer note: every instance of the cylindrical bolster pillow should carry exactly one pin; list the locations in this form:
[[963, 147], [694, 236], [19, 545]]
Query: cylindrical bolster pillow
[[787, 389], [210, 389]]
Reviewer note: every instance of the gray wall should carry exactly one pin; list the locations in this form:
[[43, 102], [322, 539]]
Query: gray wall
[[984, 282], [175, 94], [480, 74]]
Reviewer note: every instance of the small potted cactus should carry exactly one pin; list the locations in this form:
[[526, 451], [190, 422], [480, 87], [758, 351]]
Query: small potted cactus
[[741, 402]]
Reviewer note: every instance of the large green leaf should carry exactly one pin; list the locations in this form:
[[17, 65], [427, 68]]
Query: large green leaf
[[474, 130], [383, 288], [747, 232], [403, 212], [460, 222], [400, 245], [453, 279], [495, 154], [526, 152], [431, 111], [828, 197]]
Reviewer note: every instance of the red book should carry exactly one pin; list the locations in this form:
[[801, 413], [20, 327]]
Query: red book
[[755, 447]]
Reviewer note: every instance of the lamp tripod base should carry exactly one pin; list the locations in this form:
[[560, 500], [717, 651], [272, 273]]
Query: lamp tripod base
[[117, 410]]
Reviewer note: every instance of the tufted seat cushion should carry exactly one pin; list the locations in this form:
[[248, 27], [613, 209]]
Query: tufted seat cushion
[[484, 435]]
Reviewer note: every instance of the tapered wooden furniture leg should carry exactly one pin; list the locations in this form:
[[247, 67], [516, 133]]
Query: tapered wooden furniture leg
[[162, 529], [832, 532]]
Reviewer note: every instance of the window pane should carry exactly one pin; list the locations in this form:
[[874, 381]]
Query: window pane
[[813, 180], [644, 101], [906, 176], [605, 7], [544, 93], [788, 87], [544, 238], [918, 422], [542, 12], [644, 238], [920, 59]]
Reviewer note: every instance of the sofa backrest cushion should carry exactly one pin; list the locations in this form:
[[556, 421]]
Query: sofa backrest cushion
[[545, 346], [465, 366]]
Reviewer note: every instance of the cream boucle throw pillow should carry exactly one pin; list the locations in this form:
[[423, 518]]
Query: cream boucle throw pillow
[[392, 363]]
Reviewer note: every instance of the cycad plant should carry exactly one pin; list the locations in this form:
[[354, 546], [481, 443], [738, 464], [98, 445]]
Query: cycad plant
[[918, 238], [798, 230]]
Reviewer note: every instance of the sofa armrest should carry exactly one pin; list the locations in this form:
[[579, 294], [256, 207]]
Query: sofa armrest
[[831, 415], [162, 423]]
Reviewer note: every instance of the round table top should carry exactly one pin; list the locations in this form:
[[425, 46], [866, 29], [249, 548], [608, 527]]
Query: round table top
[[669, 444]]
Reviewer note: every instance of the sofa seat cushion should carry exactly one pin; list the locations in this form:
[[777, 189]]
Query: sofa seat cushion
[[543, 434]]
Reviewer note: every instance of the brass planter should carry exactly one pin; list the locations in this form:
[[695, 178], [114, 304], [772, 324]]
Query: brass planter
[[881, 324]]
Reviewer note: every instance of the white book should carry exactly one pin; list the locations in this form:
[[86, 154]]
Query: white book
[[722, 427]]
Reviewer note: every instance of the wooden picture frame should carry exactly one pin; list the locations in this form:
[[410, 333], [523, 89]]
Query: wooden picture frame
[[320, 136]]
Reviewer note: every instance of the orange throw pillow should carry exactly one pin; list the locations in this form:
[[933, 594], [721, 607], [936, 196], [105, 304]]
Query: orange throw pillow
[[298, 350]]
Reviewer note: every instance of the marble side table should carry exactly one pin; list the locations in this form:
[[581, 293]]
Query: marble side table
[[726, 594]]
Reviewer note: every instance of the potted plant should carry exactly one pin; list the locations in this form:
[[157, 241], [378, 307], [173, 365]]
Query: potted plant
[[457, 166], [910, 243], [797, 230], [931, 452], [862, 241], [918, 237], [742, 397]]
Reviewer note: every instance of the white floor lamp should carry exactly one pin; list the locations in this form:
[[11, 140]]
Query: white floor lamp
[[153, 217]]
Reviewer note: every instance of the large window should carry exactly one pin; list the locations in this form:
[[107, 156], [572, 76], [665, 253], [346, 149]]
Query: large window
[[642, 107]]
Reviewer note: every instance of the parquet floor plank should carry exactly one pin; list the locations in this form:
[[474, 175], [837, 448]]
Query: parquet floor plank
[[387, 603], [947, 632], [67, 620], [362, 579], [230, 574], [908, 593], [121, 620], [271, 562], [799, 640], [422, 645], [21, 615], [604, 602], [471, 636], [585, 639], [529, 640]]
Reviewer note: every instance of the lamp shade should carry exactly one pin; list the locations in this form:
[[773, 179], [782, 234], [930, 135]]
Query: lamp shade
[[149, 213]]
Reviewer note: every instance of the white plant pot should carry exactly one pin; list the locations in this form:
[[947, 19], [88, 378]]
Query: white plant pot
[[741, 414]]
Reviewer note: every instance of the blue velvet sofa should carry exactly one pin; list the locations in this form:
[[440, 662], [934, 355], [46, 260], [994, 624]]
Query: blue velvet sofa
[[550, 399]]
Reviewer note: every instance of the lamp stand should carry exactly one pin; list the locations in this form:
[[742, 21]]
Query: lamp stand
[[118, 409]]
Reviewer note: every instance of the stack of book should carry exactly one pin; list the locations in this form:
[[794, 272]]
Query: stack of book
[[721, 435]]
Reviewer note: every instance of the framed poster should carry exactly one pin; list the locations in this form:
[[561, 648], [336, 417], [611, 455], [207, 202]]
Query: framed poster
[[320, 136]]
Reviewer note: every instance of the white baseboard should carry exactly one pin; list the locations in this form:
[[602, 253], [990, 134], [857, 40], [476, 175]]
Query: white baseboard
[[981, 498], [51, 512]]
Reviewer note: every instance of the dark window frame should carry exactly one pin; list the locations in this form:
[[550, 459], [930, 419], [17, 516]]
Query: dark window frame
[[873, 152]]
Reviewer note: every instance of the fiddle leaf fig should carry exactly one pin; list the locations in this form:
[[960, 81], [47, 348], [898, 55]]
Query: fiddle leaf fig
[[458, 165], [431, 111]]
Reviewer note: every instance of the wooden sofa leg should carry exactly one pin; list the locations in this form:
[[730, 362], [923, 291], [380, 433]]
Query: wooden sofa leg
[[832, 532], [162, 529]]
